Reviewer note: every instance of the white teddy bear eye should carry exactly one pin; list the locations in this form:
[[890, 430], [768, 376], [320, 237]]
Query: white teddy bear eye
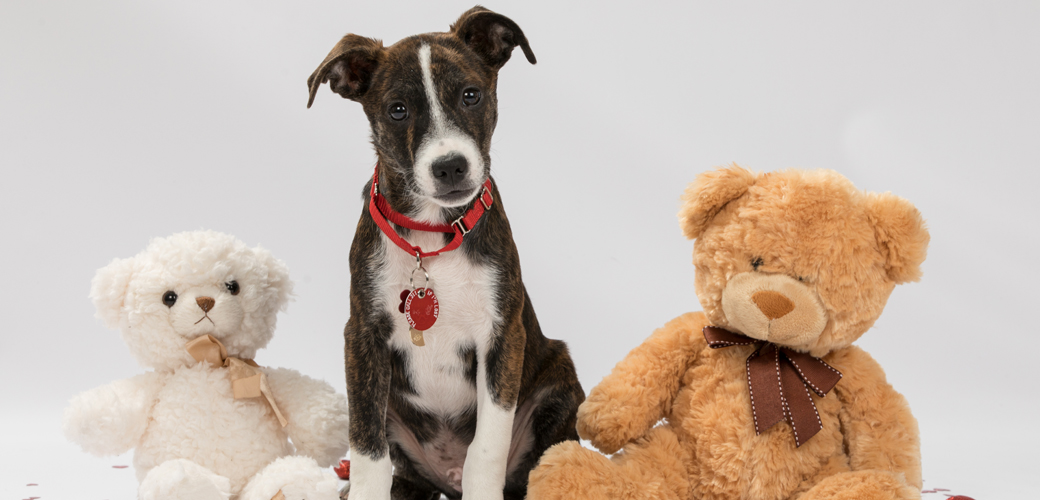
[[232, 287], [169, 298]]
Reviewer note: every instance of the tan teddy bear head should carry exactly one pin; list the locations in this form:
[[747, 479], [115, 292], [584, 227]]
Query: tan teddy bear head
[[798, 258]]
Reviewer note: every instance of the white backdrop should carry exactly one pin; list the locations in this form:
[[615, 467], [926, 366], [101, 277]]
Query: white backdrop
[[125, 120]]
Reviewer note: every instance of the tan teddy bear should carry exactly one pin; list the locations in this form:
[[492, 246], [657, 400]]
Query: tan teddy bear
[[761, 396]]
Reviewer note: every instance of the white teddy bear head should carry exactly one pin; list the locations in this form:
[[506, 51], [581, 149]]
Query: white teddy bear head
[[188, 285]]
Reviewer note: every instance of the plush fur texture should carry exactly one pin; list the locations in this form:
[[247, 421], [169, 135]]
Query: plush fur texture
[[769, 246], [192, 439]]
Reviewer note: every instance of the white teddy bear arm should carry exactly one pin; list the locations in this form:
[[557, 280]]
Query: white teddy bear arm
[[317, 415], [111, 419]]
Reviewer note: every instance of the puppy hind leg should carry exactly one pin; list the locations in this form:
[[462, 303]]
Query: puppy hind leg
[[550, 420], [555, 418]]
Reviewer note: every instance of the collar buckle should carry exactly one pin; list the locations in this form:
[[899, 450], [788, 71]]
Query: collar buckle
[[491, 199], [459, 226]]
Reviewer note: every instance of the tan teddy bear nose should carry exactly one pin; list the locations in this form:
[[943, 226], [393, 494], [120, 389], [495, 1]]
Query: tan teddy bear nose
[[772, 304], [206, 303]]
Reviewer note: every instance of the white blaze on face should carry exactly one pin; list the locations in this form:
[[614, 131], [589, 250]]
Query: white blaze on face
[[442, 139]]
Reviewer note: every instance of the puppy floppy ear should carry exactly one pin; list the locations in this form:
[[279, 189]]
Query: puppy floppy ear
[[706, 196], [348, 68], [492, 36], [108, 291], [901, 235]]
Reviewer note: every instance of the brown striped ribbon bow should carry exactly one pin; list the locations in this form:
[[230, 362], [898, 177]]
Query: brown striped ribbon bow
[[247, 381], [779, 380]]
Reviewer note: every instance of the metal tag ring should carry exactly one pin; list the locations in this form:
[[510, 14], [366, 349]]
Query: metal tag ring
[[411, 280]]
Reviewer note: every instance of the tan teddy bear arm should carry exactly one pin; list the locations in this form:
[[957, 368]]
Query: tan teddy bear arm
[[640, 389], [111, 419], [317, 415], [880, 432]]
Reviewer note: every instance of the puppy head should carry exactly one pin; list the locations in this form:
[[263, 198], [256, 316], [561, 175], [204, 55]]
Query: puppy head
[[189, 285], [431, 103]]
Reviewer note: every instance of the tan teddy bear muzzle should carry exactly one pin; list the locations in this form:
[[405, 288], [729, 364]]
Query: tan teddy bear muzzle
[[773, 307]]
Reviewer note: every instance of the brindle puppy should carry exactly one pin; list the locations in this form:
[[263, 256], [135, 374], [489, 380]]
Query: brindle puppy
[[471, 411]]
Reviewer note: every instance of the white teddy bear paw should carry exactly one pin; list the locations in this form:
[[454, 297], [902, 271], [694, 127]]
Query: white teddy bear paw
[[183, 480], [296, 477]]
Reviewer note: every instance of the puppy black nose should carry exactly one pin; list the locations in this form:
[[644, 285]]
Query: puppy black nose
[[450, 169], [205, 303]]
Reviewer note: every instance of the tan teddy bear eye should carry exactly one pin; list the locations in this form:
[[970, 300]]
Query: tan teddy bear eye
[[756, 263]]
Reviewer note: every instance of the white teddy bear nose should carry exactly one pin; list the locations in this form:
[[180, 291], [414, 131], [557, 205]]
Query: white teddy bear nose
[[205, 303]]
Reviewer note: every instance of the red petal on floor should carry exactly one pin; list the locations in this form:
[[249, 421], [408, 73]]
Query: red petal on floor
[[32, 484]]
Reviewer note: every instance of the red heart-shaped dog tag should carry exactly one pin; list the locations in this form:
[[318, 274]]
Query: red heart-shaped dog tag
[[421, 309], [404, 295]]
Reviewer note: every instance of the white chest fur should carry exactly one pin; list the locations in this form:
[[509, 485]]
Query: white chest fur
[[468, 312]]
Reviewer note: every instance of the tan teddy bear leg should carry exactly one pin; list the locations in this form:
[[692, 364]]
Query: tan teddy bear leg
[[650, 468], [863, 485]]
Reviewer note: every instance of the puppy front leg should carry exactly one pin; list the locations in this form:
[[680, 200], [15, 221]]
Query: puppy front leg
[[368, 388], [499, 368]]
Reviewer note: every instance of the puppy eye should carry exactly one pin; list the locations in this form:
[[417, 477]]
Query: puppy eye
[[397, 111], [232, 286], [470, 97], [756, 263], [169, 298]]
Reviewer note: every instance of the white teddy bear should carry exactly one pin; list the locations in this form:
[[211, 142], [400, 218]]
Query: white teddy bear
[[208, 424]]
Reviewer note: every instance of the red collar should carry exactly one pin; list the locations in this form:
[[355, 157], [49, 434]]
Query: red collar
[[381, 211]]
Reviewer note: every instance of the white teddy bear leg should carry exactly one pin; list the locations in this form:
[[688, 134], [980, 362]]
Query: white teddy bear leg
[[298, 478], [183, 480]]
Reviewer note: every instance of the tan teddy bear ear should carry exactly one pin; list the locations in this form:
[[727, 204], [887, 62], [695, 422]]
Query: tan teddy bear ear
[[108, 290], [711, 191], [901, 235]]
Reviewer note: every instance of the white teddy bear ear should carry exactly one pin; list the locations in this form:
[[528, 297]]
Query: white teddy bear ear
[[108, 291], [279, 286]]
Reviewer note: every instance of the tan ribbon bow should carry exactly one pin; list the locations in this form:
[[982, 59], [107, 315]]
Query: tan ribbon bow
[[779, 380], [247, 381]]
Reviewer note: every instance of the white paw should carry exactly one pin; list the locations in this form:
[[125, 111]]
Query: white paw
[[370, 479], [183, 480]]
